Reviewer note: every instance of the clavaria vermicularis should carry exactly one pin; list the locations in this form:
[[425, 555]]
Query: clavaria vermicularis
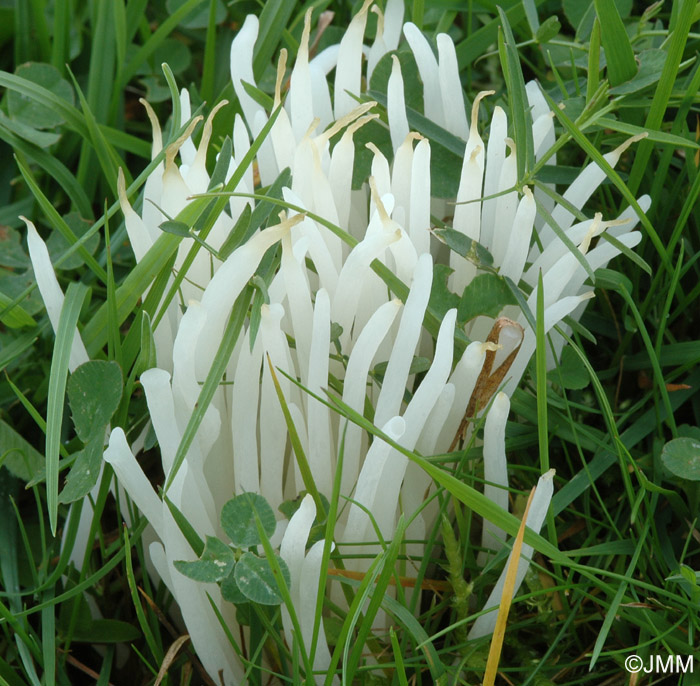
[[330, 316]]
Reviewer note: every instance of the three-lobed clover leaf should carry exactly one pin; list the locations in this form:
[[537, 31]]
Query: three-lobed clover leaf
[[230, 591], [248, 577], [214, 565], [238, 519], [256, 580]]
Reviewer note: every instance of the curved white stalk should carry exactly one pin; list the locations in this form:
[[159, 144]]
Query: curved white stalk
[[389, 402], [393, 21], [300, 99], [552, 315], [582, 189], [308, 596], [453, 105], [429, 72], [513, 261], [153, 187], [187, 151], [368, 491], [419, 215], [321, 455], [485, 624], [185, 384], [348, 73], [495, 156], [296, 285], [355, 387], [51, 292], [274, 438], [161, 408], [506, 205], [139, 236], [396, 105], [292, 551], [379, 46], [318, 250], [227, 284], [401, 175], [133, 480], [244, 416], [417, 412], [242, 66], [495, 470], [356, 267], [464, 379]]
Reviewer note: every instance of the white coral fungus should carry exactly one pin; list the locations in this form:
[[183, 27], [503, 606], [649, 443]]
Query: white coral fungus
[[321, 281]]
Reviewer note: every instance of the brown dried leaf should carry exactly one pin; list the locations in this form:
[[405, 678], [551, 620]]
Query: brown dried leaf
[[488, 382]]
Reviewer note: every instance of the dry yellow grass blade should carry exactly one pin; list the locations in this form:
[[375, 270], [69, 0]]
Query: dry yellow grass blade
[[170, 657], [506, 599]]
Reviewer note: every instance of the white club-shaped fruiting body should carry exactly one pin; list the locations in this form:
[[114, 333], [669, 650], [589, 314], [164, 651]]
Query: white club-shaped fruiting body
[[242, 443]]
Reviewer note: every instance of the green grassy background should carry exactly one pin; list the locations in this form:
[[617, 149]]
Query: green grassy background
[[72, 74]]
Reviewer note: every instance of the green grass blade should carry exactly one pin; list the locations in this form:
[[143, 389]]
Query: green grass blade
[[109, 161], [62, 17], [615, 604], [211, 384], [58, 223], [13, 314], [284, 592], [120, 29], [419, 635], [273, 20], [125, 141], [214, 212], [664, 88], [351, 663], [517, 99], [417, 12], [22, 33], [593, 62], [135, 10], [533, 20], [472, 498], [161, 33], [151, 640], [590, 149], [658, 374], [102, 55], [561, 234], [87, 582], [188, 531], [302, 461], [616, 43], [328, 543], [128, 294], [479, 42], [75, 296], [541, 374], [52, 166], [48, 639], [174, 99], [114, 345], [208, 69], [660, 137], [398, 658], [363, 592], [44, 96], [631, 255]]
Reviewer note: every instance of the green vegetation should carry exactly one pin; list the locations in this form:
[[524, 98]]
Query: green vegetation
[[616, 567]]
